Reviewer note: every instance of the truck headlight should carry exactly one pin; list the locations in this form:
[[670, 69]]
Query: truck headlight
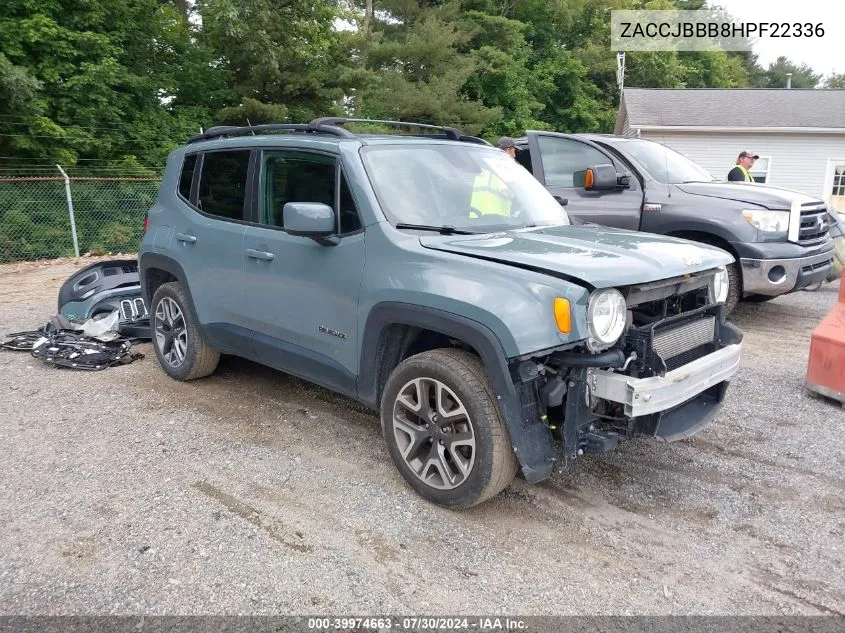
[[719, 287], [606, 314], [766, 220]]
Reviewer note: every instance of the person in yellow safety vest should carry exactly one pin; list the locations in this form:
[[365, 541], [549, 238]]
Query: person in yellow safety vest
[[490, 194], [743, 164]]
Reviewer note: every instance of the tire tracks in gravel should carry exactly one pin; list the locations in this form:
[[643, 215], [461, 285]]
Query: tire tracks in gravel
[[310, 420]]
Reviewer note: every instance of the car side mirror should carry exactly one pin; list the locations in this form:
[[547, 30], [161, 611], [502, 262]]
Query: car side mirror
[[596, 178], [311, 219]]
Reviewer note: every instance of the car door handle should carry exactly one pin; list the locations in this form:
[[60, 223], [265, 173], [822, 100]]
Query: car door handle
[[262, 255], [188, 239]]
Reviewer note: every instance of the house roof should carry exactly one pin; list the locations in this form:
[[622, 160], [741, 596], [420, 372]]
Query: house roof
[[732, 108]]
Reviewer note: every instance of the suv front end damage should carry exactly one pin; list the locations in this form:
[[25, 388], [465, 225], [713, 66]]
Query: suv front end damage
[[666, 377]]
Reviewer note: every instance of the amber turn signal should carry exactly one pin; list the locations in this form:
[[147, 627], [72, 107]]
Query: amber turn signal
[[588, 179], [563, 315]]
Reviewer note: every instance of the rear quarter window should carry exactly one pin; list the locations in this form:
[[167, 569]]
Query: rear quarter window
[[186, 176]]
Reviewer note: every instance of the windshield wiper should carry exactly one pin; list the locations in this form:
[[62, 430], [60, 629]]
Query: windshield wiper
[[443, 230]]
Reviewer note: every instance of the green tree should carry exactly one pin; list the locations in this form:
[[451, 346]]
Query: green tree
[[109, 78], [413, 62], [835, 80], [775, 75], [277, 54]]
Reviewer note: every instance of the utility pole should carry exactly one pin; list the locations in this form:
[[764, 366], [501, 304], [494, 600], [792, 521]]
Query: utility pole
[[620, 70], [70, 210]]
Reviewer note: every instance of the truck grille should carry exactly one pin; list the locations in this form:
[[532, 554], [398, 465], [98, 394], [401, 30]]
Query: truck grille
[[811, 268], [679, 340], [814, 224]]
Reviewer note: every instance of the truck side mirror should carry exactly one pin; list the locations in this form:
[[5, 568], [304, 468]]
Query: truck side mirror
[[597, 178]]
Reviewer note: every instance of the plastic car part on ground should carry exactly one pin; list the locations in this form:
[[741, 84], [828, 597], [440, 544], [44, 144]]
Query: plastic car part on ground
[[92, 345], [104, 287]]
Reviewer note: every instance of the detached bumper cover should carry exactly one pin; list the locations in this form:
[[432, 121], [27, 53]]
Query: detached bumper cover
[[646, 396], [106, 286]]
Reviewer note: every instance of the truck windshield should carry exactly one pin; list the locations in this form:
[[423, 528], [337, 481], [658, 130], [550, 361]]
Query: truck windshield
[[663, 164], [464, 187]]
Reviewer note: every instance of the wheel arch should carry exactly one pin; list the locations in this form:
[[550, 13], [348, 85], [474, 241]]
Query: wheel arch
[[392, 330], [154, 270]]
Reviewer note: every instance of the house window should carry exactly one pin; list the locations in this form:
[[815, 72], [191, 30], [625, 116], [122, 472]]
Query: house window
[[839, 181], [760, 171]]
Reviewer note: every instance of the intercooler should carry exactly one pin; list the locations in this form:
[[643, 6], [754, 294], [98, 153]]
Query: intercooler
[[674, 341]]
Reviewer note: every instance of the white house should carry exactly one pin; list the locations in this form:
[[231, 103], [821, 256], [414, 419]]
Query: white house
[[798, 134]]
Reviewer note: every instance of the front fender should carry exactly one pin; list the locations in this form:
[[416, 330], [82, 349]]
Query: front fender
[[516, 304], [531, 439], [683, 213]]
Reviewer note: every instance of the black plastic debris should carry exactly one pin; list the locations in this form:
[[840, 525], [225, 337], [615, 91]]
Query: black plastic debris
[[63, 342], [22, 341], [77, 351]]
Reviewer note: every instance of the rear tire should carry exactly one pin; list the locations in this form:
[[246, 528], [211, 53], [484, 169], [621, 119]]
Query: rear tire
[[178, 344], [444, 431]]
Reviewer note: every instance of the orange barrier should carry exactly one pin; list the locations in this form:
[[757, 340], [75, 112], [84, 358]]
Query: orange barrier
[[826, 369]]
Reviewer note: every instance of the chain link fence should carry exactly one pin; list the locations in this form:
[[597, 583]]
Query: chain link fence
[[44, 217]]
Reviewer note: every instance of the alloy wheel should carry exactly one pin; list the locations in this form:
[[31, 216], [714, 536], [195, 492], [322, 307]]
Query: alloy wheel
[[434, 433], [171, 332]]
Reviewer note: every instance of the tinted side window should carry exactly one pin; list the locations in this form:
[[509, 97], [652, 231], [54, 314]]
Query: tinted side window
[[562, 157], [187, 175], [223, 183], [290, 176], [350, 221]]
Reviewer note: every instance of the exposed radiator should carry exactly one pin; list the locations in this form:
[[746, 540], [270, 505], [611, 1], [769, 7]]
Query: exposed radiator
[[683, 338]]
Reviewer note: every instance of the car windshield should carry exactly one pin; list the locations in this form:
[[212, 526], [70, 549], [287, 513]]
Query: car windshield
[[463, 187], [665, 165]]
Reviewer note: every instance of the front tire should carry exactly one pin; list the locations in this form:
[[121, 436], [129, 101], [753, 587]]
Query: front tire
[[444, 431], [178, 344], [734, 288]]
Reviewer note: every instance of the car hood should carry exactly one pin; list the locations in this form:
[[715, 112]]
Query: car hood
[[599, 256], [748, 193]]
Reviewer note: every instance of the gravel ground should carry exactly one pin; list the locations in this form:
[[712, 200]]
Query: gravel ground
[[252, 492]]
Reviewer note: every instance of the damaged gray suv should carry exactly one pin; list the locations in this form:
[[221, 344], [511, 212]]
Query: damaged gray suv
[[433, 279]]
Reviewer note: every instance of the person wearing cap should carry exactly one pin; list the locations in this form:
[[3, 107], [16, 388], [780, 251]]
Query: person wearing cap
[[490, 194], [744, 162], [507, 145]]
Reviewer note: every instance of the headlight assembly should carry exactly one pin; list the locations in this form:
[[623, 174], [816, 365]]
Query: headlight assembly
[[766, 220], [606, 314], [719, 287]]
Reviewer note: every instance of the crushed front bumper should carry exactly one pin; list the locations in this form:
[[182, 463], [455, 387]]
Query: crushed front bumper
[[644, 396], [677, 385]]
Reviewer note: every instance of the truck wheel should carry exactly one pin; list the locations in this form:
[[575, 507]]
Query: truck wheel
[[734, 288], [444, 430], [179, 347]]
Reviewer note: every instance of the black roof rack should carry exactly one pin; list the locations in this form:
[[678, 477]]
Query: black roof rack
[[220, 131], [330, 125]]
